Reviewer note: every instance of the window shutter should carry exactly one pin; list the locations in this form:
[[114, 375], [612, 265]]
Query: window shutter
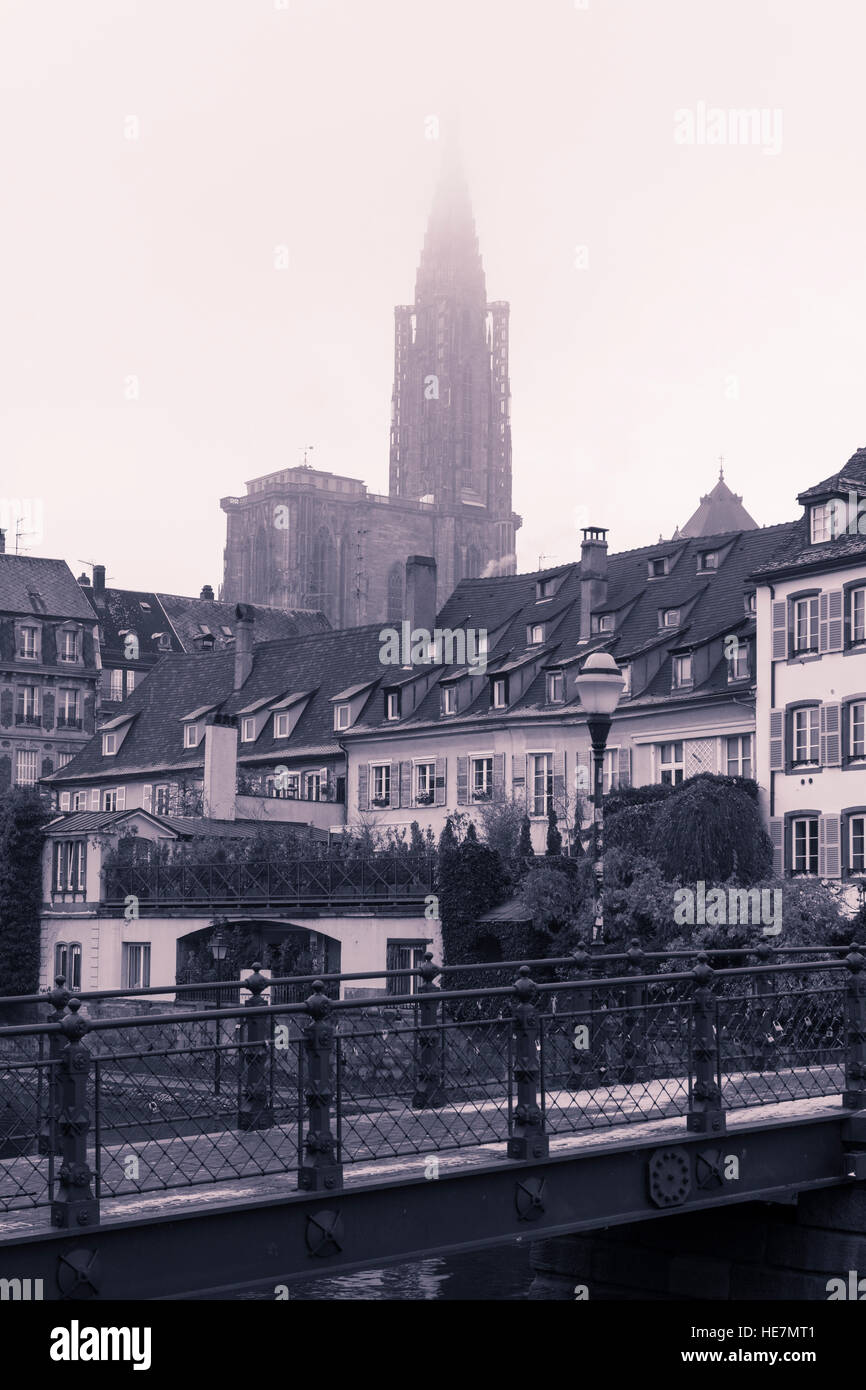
[[777, 740], [441, 775], [498, 776], [147, 797], [395, 783], [64, 801], [120, 804], [518, 771], [823, 621], [462, 781], [835, 625], [559, 781], [406, 784], [777, 837], [780, 630], [829, 858], [94, 799], [831, 741], [363, 787], [624, 769]]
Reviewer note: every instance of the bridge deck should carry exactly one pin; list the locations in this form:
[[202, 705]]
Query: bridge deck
[[133, 1205]]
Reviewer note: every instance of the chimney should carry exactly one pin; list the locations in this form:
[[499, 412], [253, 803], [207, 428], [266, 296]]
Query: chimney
[[207, 592], [244, 618], [420, 602], [220, 767], [84, 581], [593, 576], [98, 581]]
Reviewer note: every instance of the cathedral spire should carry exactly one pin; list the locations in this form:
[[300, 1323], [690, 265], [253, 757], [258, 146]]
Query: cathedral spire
[[450, 259]]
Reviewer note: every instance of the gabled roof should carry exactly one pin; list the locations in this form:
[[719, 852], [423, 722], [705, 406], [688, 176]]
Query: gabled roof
[[851, 477], [796, 551], [41, 588]]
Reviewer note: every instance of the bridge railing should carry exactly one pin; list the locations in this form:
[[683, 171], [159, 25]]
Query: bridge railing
[[98, 1108]]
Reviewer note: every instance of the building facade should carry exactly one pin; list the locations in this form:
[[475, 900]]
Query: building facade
[[302, 538], [50, 669], [811, 710]]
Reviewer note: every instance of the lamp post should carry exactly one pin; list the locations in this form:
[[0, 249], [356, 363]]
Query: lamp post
[[599, 685]]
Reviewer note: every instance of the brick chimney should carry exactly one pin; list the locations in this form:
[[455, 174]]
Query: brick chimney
[[420, 606], [220, 767], [207, 592], [593, 576], [99, 581], [244, 618]]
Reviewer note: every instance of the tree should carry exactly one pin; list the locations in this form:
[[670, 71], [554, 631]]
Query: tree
[[711, 833], [554, 838], [524, 848], [470, 881], [23, 813]]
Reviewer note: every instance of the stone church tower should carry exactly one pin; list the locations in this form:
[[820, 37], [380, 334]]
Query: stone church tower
[[302, 538]]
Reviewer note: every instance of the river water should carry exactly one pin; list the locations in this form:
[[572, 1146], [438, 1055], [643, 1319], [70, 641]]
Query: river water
[[494, 1275]]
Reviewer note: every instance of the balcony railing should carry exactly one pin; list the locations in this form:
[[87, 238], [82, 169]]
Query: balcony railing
[[68, 721], [33, 721], [373, 879]]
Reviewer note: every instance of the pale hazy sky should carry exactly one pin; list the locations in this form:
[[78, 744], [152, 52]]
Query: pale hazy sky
[[719, 306]]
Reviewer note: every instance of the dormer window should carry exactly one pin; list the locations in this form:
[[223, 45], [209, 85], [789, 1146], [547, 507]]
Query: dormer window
[[449, 699], [545, 588], [341, 716], [708, 560], [738, 660], [248, 730], [109, 745], [827, 520], [555, 687], [670, 617], [658, 568], [535, 634], [499, 697], [68, 645], [392, 704], [625, 672], [281, 723], [605, 622], [28, 643], [751, 601], [191, 736], [682, 671]]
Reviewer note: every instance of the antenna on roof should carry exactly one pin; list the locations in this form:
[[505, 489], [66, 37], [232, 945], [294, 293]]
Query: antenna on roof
[[19, 533], [541, 558], [721, 468], [307, 449]]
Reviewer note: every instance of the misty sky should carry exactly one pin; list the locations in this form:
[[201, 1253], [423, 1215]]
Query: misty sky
[[719, 306]]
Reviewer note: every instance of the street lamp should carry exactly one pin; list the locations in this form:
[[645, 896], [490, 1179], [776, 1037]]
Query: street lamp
[[599, 685]]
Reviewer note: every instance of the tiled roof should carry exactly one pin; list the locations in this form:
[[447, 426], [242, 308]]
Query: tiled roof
[[326, 663], [719, 513], [85, 822], [43, 588], [851, 477]]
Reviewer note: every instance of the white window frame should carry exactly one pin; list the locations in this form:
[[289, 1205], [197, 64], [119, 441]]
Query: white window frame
[[552, 678], [708, 561], [605, 622], [743, 755], [857, 599], [625, 672], [670, 617], [29, 701], [500, 693], [857, 820], [682, 672], [25, 631], [392, 704], [481, 788], [669, 767], [380, 784], [738, 663], [135, 967], [806, 736], [541, 766], [162, 793], [190, 736], [424, 779], [281, 724], [804, 621], [79, 801], [610, 770], [109, 745], [68, 953], [115, 683], [68, 636], [532, 639], [449, 699], [64, 701], [313, 786], [248, 729], [827, 520], [857, 717], [342, 716], [809, 837]]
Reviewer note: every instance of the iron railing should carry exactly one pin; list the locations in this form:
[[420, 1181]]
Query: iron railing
[[374, 878], [96, 1108]]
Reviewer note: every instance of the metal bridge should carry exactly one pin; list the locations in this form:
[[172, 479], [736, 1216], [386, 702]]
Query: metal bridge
[[188, 1150]]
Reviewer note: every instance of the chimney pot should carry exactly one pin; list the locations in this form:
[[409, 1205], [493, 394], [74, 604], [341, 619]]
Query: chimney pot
[[207, 592], [593, 576]]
